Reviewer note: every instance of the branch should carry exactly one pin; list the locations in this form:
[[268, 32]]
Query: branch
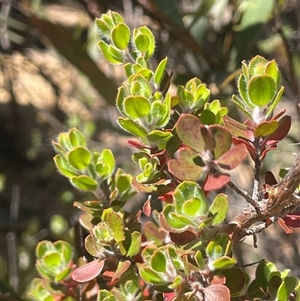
[[280, 202]]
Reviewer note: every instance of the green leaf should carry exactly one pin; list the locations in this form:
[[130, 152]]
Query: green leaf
[[64, 249], [103, 28], [243, 90], [261, 90], [240, 104], [64, 140], [160, 113], [159, 72], [158, 262], [105, 164], [235, 280], [192, 207], [273, 285], [120, 99], [76, 138], [224, 262], [62, 164], [286, 288], [124, 182], [64, 275], [84, 183], [116, 224], [52, 259], [207, 117], [272, 70], [133, 128], [79, 157], [266, 128], [160, 138], [121, 36], [43, 247], [151, 45], [174, 220], [189, 190], [219, 208], [275, 102], [150, 276], [135, 246], [255, 12], [136, 106], [141, 42], [111, 54]]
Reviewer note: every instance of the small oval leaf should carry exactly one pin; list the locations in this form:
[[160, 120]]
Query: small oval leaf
[[88, 271]]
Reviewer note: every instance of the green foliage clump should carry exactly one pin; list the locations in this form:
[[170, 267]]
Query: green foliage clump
[[184, 145]]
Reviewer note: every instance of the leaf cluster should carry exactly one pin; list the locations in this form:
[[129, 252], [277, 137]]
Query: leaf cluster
[[184, 146]]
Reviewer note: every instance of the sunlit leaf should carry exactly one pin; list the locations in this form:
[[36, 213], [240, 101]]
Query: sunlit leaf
[[88, 271]]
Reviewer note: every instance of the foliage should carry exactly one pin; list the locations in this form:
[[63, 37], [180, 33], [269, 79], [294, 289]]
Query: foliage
[[184, 146]]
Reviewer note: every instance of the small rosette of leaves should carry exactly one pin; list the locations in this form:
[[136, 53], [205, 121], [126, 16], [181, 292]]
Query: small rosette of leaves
[[193, 96], [268, 133], [86, 170], [149, 167], [259, 87], [162, 267], [109, 239], [144, 113], [271, 284], [129, 288], [117, 37], [205, 149], [42, 290], [190, 209], [54, 260]]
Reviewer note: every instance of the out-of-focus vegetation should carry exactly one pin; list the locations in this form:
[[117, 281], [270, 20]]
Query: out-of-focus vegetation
[[53, 78]]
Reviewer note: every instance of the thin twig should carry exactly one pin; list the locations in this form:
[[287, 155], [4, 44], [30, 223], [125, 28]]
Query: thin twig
[[245, 195]]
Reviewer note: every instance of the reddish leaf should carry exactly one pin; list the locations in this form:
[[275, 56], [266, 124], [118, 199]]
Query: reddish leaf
[[237, 129], [188, 130], [215, 182], [279, 114], [284, 226], [284, 125], [123, 266], [209, 140], [88, 271], [147, 207], [216, 292], [223, 139], [247, 143], [218, 279], [184, 167], [136, 144], [292, 220], [264, 151], [169, 296], [270, 179], [183, 238], [233, 157]]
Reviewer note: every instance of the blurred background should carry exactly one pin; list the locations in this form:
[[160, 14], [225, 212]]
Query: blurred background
[[53, 78]]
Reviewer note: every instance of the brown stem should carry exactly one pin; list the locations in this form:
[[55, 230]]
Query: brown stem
[[280, 202]]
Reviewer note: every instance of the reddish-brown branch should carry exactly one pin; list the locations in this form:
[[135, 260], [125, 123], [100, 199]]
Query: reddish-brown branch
[[280, 202]]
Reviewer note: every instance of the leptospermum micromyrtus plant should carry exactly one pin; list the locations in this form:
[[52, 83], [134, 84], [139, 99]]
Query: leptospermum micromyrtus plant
[[184, 145]]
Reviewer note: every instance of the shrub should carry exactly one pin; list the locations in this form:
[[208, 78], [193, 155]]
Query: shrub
[[185, 145]]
